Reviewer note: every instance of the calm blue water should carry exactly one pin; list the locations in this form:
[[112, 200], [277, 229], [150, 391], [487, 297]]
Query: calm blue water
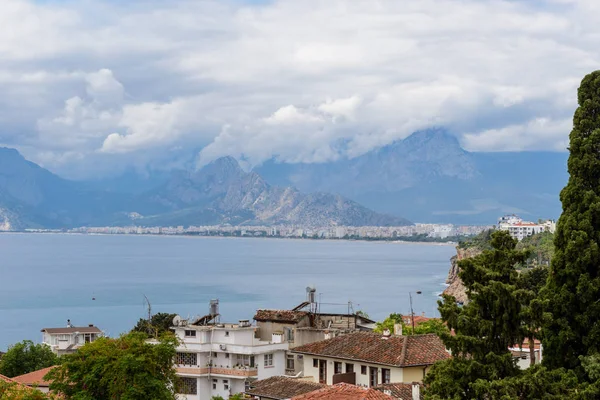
[[46, 279]]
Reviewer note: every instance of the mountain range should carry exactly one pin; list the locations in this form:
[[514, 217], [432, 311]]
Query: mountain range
[[428, 177], [221, 192]]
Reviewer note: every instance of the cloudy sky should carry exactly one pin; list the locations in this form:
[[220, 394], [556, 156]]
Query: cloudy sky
[[90, 87]]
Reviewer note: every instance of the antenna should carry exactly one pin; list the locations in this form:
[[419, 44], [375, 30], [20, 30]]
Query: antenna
[[147, 302]]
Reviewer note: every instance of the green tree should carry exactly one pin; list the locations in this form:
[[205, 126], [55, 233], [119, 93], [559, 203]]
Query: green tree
[[573, 287], [432, 326], [24, 357], [389, 323], [124, 368], [15, 391], [159, 324], [485, 327], [534, 383]]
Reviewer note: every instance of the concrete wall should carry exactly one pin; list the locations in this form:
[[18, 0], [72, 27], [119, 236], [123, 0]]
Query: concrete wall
[[415, 374], [277, 369]]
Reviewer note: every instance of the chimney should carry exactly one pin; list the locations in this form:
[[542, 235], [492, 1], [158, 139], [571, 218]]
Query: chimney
[[416, 391], [398, 329], [423, 314], [386, 334], [91, 325], [69, 324]]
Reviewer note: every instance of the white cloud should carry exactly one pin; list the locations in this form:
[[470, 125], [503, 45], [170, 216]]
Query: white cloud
[[300, 80], [290, 115], [532, 135], [341, 107]]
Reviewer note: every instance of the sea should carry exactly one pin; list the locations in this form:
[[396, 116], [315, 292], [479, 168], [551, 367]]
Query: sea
[[46, 279]]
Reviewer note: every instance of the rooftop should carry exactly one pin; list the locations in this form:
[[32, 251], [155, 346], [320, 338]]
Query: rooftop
[[344, 391], [6, 379], [397, 351], [400, 391], [281, 387], [35, 378], [71, 330], [283, 316]]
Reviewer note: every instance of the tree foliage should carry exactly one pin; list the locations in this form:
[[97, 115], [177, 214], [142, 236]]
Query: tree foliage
[[127, 368], [24, 357], [158, 325], [573, 287], [541, 248], [15, 391], [433, 325], [486, 326]]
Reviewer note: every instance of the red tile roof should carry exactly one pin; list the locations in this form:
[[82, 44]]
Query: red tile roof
[[397, 351], [400, 391], [280, 316], [281, 387], [344, 391], [35, 378], [6, 379]]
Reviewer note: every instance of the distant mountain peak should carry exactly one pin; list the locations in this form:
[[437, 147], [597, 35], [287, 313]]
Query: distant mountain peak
[[434, 135], [7, 152]]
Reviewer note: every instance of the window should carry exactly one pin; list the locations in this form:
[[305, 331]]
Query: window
[[214, 354], [315, 363], [186, 359], [268, 360], [289, 334], [215, 381], [225, 384], [385, 375], [349, 368], [244, 360], [337, 367], [226, 355], [187, 386], [226, 333], [289, 362], [363, 369], [190, 333]]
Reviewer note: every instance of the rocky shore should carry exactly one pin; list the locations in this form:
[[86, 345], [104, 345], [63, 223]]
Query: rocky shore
[[456, 288]]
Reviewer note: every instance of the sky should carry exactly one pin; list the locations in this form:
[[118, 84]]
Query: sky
[[90, 87]]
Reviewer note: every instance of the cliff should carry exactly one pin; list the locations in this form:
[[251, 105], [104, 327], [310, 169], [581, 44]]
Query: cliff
[[456, 288]]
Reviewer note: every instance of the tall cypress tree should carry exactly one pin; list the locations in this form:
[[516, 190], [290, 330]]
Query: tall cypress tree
[[486, 326], [573, 286]]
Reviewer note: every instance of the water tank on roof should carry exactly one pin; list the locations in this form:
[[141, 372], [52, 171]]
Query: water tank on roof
[[214, 308]]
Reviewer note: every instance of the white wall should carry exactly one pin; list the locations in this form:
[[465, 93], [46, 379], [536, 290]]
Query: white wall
[[277, 369]]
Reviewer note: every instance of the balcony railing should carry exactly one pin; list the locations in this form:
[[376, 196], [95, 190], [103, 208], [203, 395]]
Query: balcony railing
[[241, 372]]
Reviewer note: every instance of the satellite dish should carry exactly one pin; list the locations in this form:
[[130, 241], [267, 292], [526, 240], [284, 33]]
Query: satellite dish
[[176, 320]]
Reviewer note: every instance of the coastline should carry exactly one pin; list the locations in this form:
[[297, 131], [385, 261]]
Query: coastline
[[372, 240]]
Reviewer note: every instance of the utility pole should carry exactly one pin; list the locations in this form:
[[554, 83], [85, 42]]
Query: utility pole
[[412, 312]]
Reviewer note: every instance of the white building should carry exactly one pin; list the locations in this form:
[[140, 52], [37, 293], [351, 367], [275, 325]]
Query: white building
[[520, 229], [68, 340], [215, 359]]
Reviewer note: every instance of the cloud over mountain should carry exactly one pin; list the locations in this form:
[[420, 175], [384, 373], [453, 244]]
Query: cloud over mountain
[[131, 83]]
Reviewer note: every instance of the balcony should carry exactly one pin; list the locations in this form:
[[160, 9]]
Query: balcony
[[245, 372]]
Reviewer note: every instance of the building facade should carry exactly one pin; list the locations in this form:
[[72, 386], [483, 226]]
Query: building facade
[[369, 359], [67, 340], [519, 229], [215, 359]]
